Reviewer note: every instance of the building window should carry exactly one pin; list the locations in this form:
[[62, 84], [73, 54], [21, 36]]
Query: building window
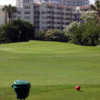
[[26, 17], [27, 12], [18, 12], [26, 7], [26, 1]]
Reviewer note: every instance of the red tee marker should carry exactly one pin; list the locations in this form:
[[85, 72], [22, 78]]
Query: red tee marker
[[77, 88]]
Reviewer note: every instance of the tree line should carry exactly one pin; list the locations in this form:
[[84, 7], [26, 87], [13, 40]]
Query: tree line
[[85, 33]]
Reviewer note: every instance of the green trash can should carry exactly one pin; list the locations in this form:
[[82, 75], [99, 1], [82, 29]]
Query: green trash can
[[21, 88]]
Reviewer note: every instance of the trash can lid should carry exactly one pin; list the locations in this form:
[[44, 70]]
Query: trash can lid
[[20, 82]]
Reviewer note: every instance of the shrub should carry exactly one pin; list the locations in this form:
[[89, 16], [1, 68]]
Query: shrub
[[55, 35]]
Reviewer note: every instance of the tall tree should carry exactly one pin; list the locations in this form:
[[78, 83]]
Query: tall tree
[[9, 11], [16, 31], [96, 8]]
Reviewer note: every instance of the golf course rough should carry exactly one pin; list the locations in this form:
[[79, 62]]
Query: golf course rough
[[53, 68]]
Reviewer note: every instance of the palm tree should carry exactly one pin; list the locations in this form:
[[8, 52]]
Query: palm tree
[[96, 8], [9, 11]]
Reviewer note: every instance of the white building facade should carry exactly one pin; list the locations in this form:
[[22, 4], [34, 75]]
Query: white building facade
[[46, 14], [51, 16]]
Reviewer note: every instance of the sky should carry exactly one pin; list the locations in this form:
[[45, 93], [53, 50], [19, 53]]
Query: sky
[[13, 2]]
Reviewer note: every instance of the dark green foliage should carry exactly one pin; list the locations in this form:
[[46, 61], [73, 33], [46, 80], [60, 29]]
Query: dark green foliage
[[91, 33], [40, 35], [96, 8], [17, 31], [87, 33]]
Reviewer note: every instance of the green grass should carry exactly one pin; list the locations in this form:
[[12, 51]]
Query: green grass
[[53, 69]]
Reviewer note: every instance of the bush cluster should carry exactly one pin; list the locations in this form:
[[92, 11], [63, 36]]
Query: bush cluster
[[52, 35], [87, 33]]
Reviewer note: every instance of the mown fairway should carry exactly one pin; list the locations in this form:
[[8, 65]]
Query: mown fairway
[[53, 69]]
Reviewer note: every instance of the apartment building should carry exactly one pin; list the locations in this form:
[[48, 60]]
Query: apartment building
[[72, 3], [80, 3], [48, 14], [51, 16]]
